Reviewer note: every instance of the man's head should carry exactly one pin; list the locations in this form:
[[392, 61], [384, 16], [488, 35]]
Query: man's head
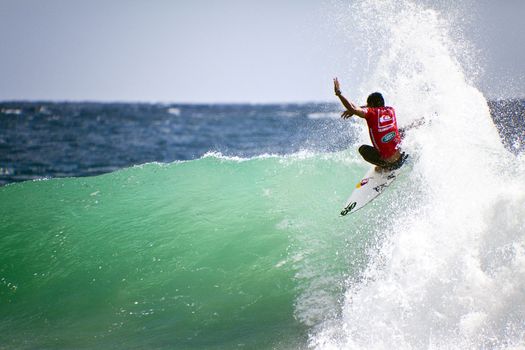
[[375, 100]]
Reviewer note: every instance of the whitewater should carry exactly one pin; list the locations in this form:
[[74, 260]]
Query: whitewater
[[448, 269], [249, 251]]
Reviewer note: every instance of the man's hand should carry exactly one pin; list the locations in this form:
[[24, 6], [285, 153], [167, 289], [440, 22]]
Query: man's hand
[[346, 114], [337, 89]]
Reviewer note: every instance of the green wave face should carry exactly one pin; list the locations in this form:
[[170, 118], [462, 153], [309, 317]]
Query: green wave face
[[210, 253]]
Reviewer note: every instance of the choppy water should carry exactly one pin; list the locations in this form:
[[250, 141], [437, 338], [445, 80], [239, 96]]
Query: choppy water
[[230, 237], [79, 139]]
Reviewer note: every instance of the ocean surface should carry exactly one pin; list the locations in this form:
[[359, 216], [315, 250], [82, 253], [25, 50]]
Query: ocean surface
[[83, 139], [49, 140], [176, 226]]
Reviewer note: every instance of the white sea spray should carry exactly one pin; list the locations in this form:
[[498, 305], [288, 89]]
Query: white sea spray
[[450, 271]]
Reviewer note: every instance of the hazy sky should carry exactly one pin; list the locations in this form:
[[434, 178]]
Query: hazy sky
[[210, 50]]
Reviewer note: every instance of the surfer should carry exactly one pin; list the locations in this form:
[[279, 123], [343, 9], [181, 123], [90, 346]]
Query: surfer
[[382, 126]]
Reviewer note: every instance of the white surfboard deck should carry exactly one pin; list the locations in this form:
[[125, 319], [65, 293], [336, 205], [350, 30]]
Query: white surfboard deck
[[370, 186]]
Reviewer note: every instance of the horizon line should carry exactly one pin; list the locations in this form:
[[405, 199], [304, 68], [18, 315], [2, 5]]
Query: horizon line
[[163, 102], [160, 102]]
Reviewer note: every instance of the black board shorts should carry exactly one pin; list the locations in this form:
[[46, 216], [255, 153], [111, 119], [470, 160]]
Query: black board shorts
[[371, 155]]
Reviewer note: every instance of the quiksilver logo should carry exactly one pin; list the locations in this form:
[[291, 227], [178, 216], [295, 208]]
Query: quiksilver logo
[[388, 137], [385, 118]]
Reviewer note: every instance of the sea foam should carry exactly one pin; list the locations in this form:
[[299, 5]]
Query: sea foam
[[449, 270]]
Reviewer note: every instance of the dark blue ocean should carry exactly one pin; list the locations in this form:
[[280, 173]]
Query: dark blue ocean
[[81, 139], [42, 139]]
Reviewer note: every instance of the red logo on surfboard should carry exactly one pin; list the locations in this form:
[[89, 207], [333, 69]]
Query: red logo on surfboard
[[363, 182]]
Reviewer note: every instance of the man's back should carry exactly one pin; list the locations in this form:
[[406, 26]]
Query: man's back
[[382, 126]]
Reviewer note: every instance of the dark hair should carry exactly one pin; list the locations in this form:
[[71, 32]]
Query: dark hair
[[375, 100]]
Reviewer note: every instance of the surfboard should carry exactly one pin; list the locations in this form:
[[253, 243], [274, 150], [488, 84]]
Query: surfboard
[[370, 186]]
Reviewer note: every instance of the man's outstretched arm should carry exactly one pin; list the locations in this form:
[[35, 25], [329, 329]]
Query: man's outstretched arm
[[351, 108]]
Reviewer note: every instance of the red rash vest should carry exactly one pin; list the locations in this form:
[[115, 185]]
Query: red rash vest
[[382, 126]]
